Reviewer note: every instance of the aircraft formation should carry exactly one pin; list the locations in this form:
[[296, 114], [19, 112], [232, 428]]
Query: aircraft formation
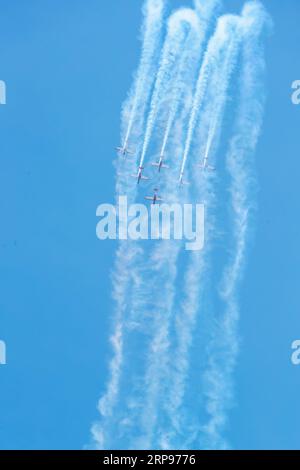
[[160, 164]]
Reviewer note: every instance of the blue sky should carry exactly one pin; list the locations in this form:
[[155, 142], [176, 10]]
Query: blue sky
[[68, 66]]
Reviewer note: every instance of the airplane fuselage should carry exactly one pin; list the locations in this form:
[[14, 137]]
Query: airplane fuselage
[[139, 176], [155, 198], [123, 150]]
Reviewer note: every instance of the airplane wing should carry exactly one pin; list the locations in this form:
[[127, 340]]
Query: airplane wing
[[133, 176], [144, 178], [149, 198], [206, 167], [159, 199], [155, 164], [165, 166]]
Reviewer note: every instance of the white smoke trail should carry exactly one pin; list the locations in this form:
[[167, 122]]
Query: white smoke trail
[[183, 33], [224, 346], [121, 281], [179, 23], [211, 59], [165, 255], [135, 107], [161, 262], [196, 274], [206, 11], [127, 270]]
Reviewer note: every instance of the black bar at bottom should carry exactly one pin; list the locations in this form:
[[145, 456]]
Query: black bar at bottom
[[134, 459]]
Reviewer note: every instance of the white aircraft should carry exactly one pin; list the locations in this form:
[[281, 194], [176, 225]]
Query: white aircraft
[[205, 165], [181, 180], [124, 151], [154, 198], [160, 164], [139, 176]]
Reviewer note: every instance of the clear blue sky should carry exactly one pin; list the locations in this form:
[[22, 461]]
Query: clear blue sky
[[68, 66]]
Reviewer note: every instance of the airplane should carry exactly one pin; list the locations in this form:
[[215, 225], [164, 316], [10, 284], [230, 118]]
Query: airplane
[[181, 180], [205, 165], [124, 151], [154, 198], [139, 175], [160, 164]]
